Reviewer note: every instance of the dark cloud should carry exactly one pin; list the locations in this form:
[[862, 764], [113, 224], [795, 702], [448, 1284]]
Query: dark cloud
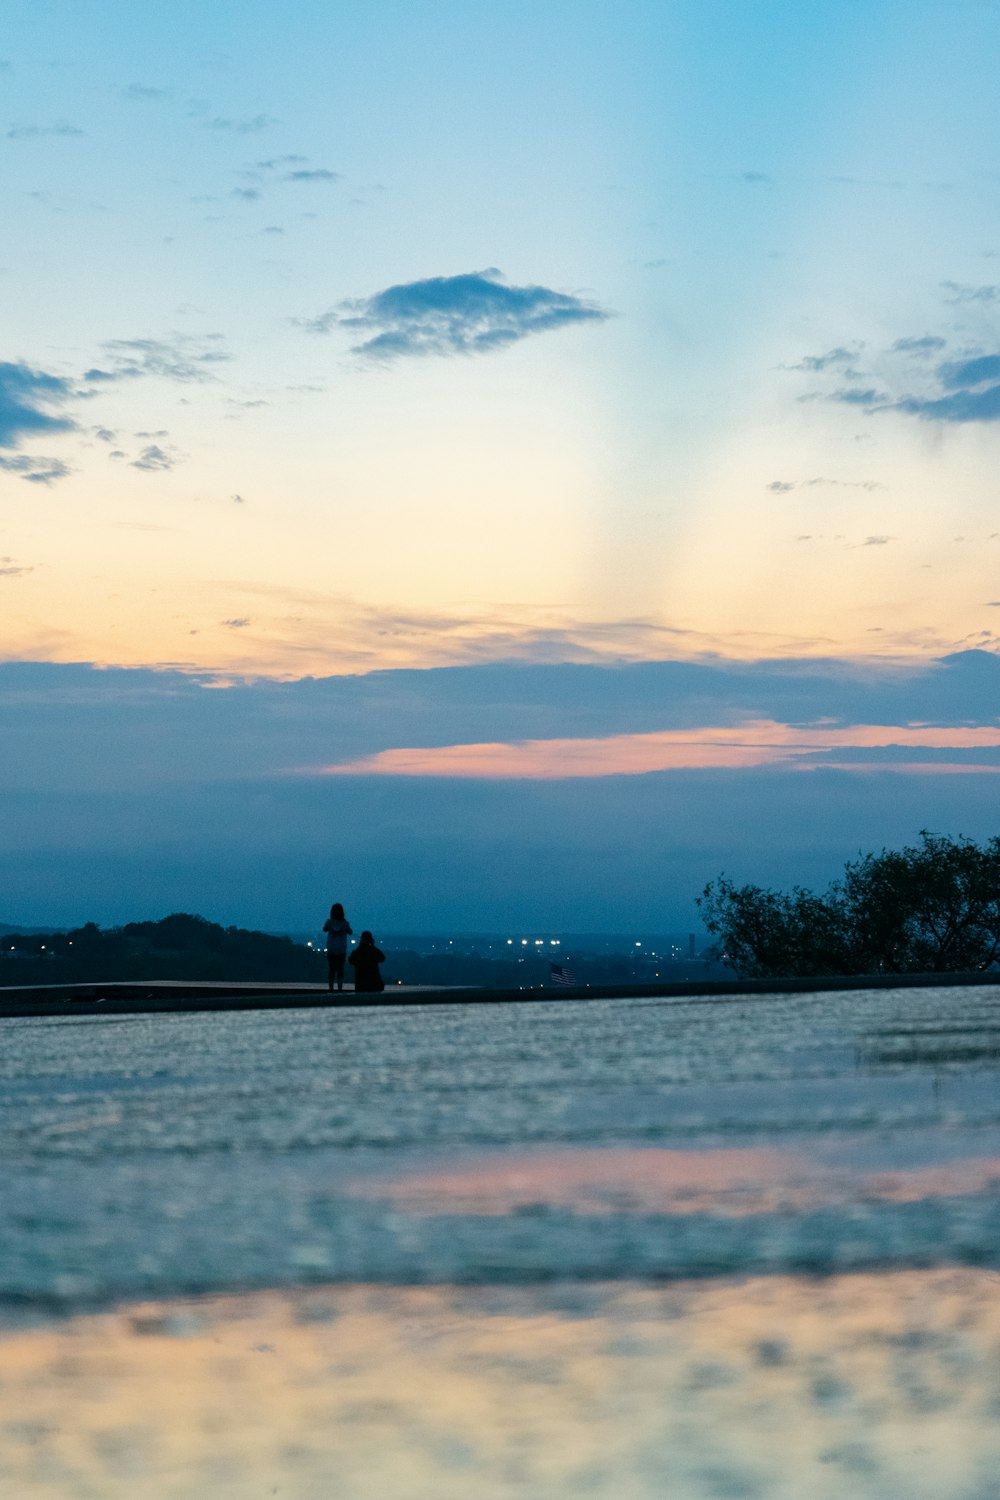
[[154, 459], [24, 396], [10, 569], [469, 314], [240, 623], [962, 406], [958, 374], [877, 541], [35, 470], [32, 132]]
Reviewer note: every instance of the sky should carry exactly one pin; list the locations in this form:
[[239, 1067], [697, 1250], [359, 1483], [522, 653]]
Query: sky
[[439, 444]]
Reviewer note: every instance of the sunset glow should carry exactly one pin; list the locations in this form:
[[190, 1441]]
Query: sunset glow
[[763, 743]]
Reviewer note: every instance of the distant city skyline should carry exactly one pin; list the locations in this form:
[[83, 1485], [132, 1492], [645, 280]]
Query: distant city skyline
[[364, 364]]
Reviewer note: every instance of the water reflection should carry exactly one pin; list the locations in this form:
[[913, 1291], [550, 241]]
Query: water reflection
[[881, 1387]]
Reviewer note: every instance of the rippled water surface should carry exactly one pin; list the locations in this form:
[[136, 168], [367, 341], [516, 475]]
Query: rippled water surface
[[153, 1155]]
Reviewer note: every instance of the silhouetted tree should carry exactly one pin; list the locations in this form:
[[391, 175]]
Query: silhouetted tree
[[933, 907]]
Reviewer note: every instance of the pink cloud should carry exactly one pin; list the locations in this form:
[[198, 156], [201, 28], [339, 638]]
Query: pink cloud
[[759, 742]]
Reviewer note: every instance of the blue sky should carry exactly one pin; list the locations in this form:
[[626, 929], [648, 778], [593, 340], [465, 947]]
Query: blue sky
[[344, 342]]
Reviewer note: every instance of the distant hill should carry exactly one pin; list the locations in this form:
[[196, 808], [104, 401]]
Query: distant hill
[[6, 927], [180, 946]]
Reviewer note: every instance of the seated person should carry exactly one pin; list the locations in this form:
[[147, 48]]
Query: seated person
[[365, 961]]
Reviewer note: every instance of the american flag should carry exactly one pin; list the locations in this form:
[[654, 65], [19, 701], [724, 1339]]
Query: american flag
[[562, 974]]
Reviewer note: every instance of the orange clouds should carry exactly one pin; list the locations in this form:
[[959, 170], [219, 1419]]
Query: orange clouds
[[758, 742]]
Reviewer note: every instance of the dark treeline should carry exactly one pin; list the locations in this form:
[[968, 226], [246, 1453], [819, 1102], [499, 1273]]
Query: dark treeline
[[177, 947], [931, 908], [185, 947]]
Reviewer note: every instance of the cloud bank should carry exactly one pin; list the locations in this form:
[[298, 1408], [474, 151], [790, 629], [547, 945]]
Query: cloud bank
[[473, 313], [131, 824]]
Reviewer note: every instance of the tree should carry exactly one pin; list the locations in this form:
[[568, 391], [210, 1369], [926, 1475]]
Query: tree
[[933, 907]]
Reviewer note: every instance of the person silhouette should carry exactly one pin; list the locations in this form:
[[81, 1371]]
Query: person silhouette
[[365, 961], [337, 929]]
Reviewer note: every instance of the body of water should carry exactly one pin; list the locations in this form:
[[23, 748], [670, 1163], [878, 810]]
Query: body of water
[[155, 1155], [744, 1249]]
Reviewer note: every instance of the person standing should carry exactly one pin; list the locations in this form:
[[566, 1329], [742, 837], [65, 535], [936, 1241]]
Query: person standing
[[338, 930], [365, 961]]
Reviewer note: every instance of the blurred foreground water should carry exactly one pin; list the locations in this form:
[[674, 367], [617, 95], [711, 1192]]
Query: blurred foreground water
[[745, 1247]]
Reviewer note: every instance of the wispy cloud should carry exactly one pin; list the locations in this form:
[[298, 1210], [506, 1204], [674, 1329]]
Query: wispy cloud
[[960, 291], [468, 314], [312, 174], [756, 743], [923, 345], [33, 132], [10, 569], [275, 163], [291, 167], [144, 93], [183, 358], [837, 358], [247, 125], [154, 459], [25, 395], [35, 470], [786, 486], [918, 376]]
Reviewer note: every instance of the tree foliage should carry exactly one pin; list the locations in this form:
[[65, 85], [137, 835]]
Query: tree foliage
[[933, 907]]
